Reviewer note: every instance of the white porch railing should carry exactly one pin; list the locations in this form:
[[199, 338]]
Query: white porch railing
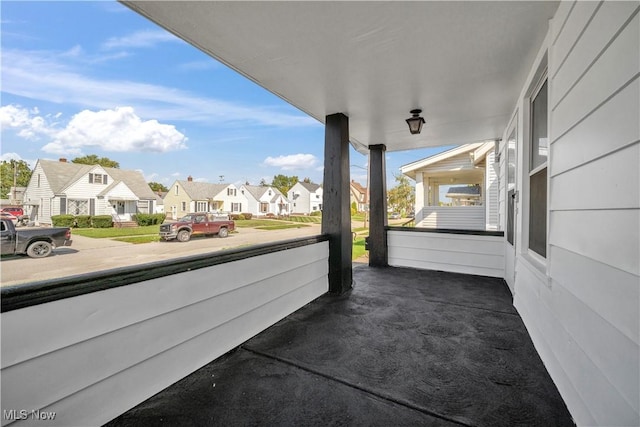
[[123, 344], [479, 253]]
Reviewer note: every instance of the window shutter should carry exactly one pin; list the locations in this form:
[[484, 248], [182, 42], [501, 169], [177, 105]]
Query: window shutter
[[151, 207], [90, 178], [63, 205], [104, 179], [92, 207]]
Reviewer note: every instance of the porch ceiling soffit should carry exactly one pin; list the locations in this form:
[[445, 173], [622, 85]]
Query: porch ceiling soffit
[[463, 63]]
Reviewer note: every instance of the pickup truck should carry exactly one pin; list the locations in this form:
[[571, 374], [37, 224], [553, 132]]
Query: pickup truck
[[201, 223], [35, 242]]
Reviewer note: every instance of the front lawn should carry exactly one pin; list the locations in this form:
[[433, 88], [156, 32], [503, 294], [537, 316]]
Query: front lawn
[[106, 233]]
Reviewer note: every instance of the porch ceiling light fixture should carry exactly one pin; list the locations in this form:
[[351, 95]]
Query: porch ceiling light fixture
[[415, 122]]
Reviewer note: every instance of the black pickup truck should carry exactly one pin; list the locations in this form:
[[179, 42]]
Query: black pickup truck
[[35, 242]]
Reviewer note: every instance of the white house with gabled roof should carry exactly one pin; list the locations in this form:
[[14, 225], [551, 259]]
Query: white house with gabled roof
[[305, 197], [60, 187], [263, 200], [469, 169]]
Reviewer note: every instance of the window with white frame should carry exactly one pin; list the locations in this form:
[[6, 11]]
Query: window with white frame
[[201, 206], [538, 155], [264, 207], [184, 206], [236, 207], [231, 191]]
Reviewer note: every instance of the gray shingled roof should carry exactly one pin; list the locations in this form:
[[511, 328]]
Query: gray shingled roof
[[309, 186], [62, 174], [256, 191], [202, 190]]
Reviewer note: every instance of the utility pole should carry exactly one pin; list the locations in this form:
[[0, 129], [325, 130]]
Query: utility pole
[[15, 179]]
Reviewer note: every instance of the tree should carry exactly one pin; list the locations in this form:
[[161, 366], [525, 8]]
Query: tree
[[284, 183], [307, 180], [92, 159], [401, 198], [156, 187], [8, 169]]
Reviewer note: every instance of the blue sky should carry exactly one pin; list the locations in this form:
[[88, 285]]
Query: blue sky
[[84, 78]]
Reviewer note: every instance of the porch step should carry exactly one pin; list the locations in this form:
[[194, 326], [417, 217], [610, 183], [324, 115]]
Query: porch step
[[125, 224]]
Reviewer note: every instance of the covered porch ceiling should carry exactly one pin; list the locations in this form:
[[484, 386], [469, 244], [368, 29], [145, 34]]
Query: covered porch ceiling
[[462, 63]]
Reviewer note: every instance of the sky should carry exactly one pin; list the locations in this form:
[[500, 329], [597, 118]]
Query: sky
[[94, 77]]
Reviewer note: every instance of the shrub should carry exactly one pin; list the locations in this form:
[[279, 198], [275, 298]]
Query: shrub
[[63, 220], [102, 221], [247, 215], [143, 219], [83, 221], [237, 217], [316, 213]]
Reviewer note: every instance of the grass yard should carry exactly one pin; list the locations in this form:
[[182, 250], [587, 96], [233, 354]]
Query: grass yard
[[255, 223], [358, 248], [300, 218], [139, 239], [109, 233]]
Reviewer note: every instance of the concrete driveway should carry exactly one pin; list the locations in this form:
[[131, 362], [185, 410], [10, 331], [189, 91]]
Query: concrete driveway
[[89, 255]]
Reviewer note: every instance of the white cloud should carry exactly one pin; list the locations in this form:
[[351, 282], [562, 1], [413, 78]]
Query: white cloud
[[292, 161], [110, 130], [145, 38], [176, 174], [62, 84]]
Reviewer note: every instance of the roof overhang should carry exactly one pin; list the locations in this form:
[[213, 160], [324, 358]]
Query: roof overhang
[[462, 63]]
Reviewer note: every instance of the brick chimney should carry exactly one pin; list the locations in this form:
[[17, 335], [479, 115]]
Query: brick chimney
[[63, 160], [190, 178]]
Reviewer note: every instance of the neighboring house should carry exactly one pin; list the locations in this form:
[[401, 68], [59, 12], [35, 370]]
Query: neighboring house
[[305, 198], [191, 196], [469, 195], [159, 205], [59, 187], [359, 195], [262, 200], [458, 188]]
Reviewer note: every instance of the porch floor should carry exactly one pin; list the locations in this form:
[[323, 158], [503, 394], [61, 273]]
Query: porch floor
[[404, 347]]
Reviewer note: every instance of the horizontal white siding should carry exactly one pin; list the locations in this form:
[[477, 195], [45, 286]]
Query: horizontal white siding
[[492, 192], [459, 253], [109, 346], [453, 217], [582, 310]]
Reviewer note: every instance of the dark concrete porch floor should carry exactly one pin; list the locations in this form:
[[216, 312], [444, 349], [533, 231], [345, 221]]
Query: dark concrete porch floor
[[404, 347]]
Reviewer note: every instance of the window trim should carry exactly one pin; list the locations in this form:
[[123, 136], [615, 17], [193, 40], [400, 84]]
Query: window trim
[[537, 258]]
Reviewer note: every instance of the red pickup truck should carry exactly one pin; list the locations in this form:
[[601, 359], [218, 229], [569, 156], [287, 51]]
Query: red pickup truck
[[201, 223]]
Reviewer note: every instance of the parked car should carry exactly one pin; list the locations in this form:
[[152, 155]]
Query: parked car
[[9, 217], [395, 215], [36, 242], [201, 223], [16, 211]]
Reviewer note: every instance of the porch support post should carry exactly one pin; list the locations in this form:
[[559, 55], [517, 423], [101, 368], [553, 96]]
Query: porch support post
[[378, 253], [336, 212]]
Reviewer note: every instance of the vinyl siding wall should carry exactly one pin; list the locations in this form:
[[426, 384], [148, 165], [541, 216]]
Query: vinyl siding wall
[[91, 357], [491, 190], [459, 253], [582, 308], [39, 195]]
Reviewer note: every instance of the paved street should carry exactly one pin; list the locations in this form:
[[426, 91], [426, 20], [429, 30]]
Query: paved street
[[89, 255]]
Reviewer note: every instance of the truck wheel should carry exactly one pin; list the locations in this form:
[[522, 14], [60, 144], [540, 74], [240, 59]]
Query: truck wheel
[[184, 235], [39, 249], [223, 232]]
